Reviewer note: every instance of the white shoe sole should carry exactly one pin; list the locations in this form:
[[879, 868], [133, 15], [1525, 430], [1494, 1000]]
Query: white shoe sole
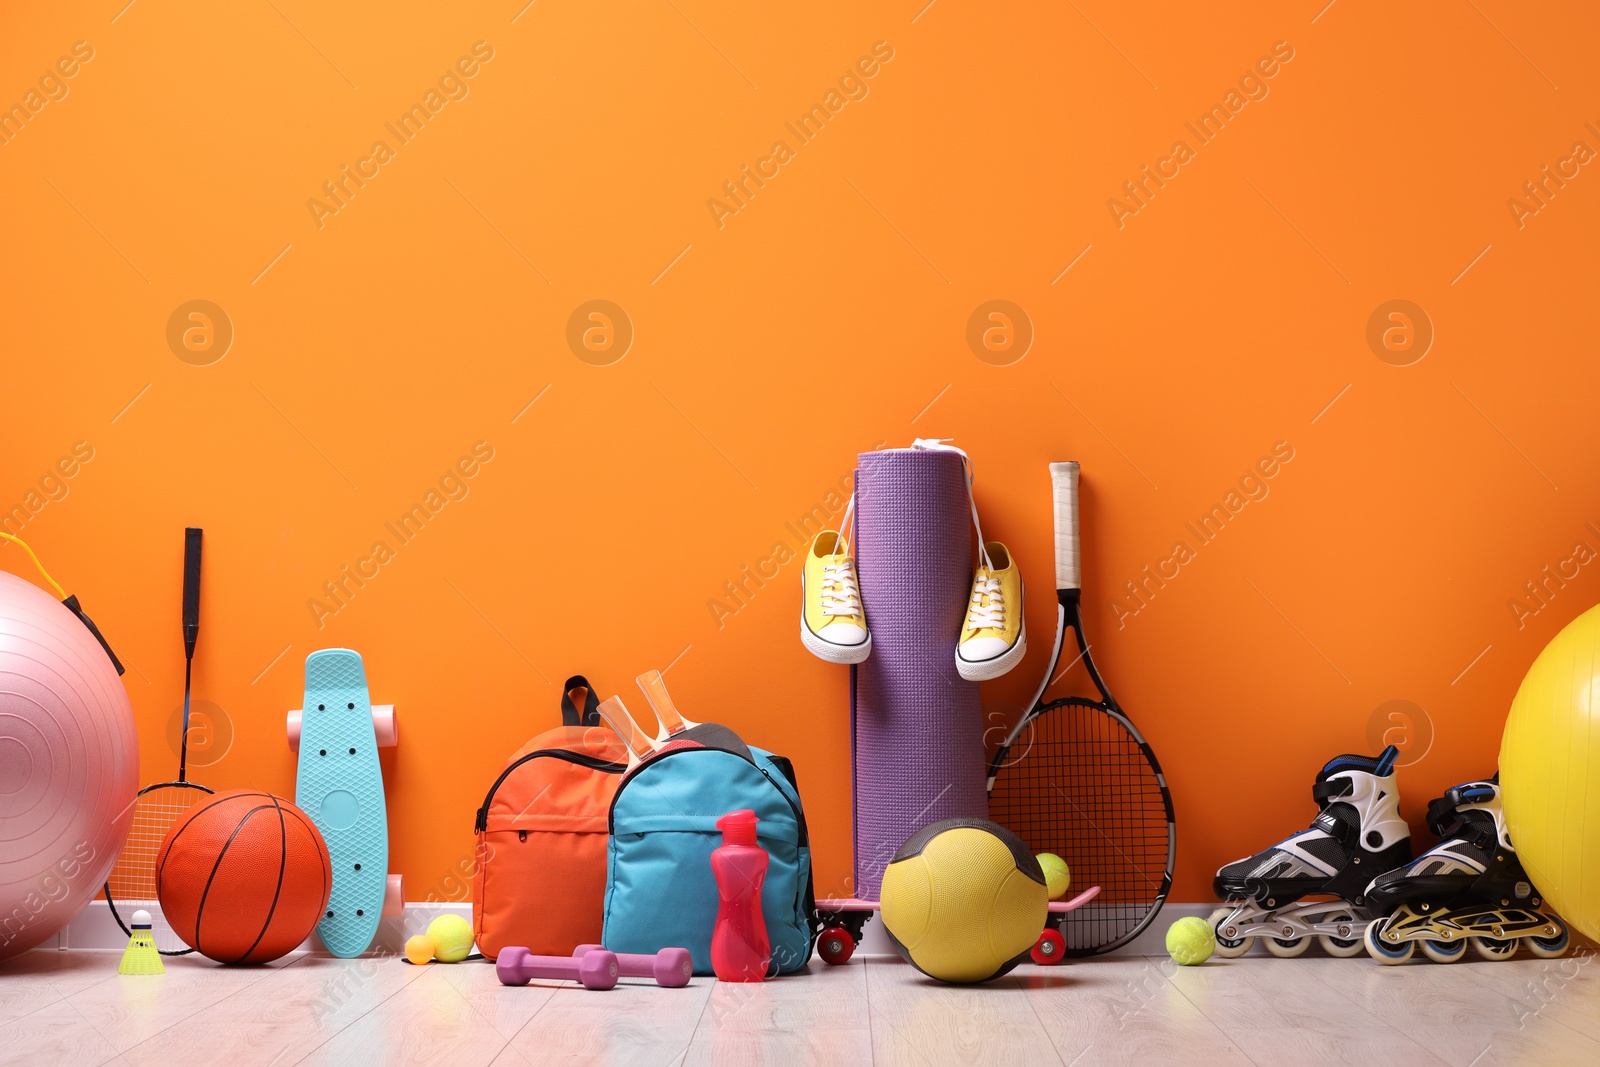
[[994, 668], [830, 652]]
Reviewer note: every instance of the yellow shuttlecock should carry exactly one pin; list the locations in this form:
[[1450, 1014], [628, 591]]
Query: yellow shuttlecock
[[141, 956]]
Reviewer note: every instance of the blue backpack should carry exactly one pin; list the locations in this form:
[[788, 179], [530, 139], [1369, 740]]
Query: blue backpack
[[660, 891]]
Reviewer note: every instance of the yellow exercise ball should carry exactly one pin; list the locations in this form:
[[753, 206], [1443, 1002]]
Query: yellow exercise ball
[[964, 900], [1550, 772]]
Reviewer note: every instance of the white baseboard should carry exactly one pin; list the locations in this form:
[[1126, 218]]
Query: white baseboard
[[94, 928]]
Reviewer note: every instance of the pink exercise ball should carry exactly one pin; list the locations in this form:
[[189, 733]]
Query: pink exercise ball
[[69, 765]]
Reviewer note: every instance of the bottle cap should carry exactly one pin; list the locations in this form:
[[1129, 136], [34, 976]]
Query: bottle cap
[[738, 827]]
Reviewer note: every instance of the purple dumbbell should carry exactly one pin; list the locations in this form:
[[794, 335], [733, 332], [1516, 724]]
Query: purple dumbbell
[[597, 970], [671, 967]]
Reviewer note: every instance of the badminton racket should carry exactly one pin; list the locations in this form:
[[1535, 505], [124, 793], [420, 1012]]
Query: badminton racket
[[132, 882]]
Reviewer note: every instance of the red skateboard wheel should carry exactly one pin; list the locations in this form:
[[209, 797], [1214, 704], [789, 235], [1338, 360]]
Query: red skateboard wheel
[[1050, 949], [835, 945]]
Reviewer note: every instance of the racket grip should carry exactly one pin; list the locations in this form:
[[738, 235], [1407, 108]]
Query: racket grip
[[191, 587], [1064, 489], [655, 691], [616, 716]]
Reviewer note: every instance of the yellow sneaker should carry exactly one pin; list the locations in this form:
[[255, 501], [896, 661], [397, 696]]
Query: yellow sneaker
[[833, 625], [994, 636]]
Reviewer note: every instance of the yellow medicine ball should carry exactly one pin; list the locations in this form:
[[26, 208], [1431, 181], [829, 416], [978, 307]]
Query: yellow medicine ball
[[1550, 772], [964, 900]]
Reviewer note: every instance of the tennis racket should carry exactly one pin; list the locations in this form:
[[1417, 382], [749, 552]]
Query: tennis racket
[[132, 882], [1076, 778]]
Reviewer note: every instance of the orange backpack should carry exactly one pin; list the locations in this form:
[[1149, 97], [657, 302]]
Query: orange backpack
[[541, 856]]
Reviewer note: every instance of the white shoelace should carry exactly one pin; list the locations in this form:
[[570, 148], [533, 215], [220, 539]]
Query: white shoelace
[[838, 595], [938, 444], [990, 615]]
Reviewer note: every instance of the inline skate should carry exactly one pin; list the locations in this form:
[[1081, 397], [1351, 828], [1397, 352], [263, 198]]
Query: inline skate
[[1358, 834], [1468, 887]]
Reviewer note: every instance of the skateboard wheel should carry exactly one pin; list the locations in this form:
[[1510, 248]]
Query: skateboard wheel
[[386, 725], [294, 730], [394, 896], [1051, 948], [835, 945]]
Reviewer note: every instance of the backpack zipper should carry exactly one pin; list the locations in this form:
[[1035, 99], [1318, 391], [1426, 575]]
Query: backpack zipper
[[594, 763], [808, 898], [799, 816], [654, 758]]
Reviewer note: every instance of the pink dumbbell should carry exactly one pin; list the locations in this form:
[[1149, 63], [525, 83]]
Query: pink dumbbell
[[596, 970], [671, 967]]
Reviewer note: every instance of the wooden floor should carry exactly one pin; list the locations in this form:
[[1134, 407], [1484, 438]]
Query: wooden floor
[[72, 1008]]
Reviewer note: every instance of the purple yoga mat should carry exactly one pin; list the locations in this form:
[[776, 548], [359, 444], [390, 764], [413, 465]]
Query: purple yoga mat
[[916, 726]]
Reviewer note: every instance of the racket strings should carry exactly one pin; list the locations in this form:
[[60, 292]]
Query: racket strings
[[1078, 783], [131, 885]]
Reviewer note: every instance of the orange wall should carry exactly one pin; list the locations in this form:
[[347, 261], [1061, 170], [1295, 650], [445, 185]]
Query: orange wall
[[828, 314]]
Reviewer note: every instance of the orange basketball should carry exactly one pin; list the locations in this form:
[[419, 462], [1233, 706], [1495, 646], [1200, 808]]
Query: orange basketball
[[243, 877]]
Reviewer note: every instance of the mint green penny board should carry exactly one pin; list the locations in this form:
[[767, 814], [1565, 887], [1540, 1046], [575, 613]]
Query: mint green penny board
[[340, 786]]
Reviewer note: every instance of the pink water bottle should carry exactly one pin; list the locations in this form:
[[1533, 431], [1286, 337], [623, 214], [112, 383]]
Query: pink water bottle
[[740, 950]]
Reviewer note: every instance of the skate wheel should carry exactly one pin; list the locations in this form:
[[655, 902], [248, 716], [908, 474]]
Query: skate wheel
[[1491, 948], [394, 896], [386, 725], [835, 945], [1051, 948], [1342, 947], [294, 730], [1286, 948], [1228, 948], [1386, 951], [1548, 948], [1444, 951]]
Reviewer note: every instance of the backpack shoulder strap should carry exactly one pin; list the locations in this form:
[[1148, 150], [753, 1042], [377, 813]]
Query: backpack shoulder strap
[[578, 690]]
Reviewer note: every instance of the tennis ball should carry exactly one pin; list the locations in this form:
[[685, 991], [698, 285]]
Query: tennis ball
[[1057, 876], [452, 938], [419, 949], [1190, 941]]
